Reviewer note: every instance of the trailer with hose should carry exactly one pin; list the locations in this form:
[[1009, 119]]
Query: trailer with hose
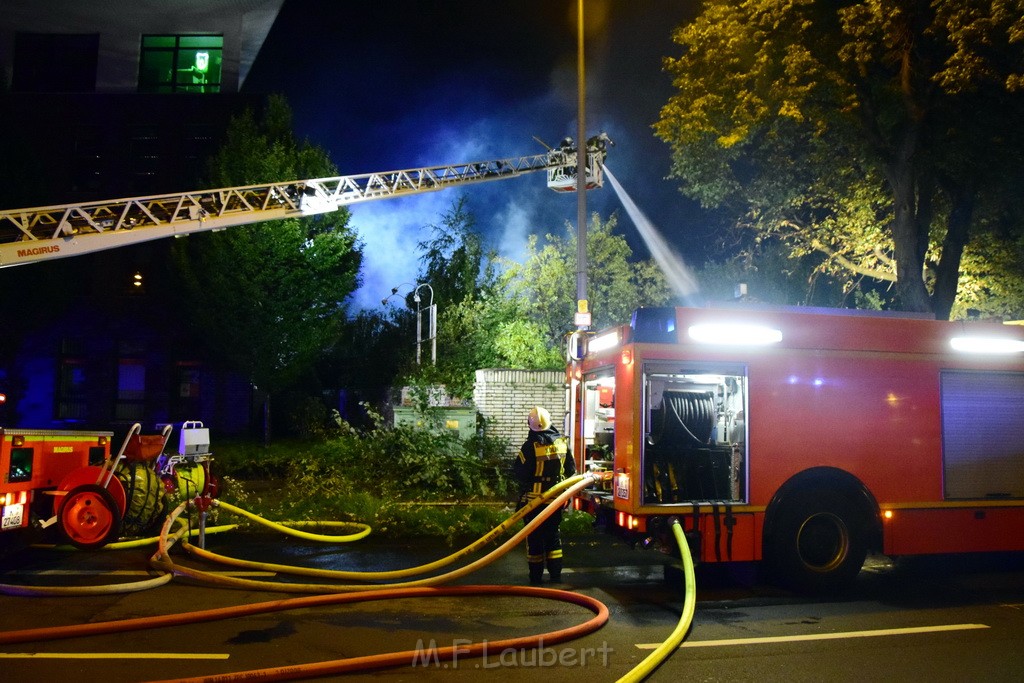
[[70, 481]]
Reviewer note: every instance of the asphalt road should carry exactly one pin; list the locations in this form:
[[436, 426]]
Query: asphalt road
[[935, 619]]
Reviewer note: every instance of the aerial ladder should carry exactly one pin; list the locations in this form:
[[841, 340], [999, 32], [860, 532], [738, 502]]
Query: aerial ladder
[[49, 232]]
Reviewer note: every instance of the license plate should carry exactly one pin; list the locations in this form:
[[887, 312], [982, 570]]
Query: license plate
[[622, 486], [13, 516]]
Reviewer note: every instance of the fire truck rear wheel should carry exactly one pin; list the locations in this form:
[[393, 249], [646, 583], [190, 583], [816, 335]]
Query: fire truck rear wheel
[[89, 517], [819, 542]]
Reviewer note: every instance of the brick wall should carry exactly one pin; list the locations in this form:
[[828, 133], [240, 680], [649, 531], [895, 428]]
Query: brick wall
[[504, 399]]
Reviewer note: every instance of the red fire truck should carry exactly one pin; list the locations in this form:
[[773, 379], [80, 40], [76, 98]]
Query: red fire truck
[[805, 437]]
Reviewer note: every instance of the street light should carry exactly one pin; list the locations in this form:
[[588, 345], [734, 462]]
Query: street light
[[582, 318], [431, 318]]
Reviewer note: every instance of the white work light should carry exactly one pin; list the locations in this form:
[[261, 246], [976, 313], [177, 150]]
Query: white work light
[[734, 334], [987, 344], [603, 342]]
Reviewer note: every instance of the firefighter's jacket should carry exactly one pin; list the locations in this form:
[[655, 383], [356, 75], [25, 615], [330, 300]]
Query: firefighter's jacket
[[543, 461]]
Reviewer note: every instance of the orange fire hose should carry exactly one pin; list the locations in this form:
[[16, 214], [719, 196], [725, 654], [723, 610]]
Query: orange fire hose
[[599, 609]]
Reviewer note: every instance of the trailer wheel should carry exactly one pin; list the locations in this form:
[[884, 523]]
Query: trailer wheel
[[89, 517], [819, 542]]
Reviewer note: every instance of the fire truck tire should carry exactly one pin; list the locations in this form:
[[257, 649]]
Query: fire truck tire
[[819, 541], [89, 517]]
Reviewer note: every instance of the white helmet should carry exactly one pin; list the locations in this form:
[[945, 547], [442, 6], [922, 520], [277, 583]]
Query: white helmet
[[539, 419]]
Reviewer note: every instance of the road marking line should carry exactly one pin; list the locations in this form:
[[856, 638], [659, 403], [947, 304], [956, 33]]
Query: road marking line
[[115, 572], [619, 568], [111, 655], [821, 636]]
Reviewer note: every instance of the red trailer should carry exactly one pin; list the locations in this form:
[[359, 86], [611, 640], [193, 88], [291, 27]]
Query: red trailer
[[46, 471], [70, 479]]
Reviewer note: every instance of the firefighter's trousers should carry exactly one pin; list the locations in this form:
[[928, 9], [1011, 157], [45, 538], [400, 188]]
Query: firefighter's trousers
[[544, 546]]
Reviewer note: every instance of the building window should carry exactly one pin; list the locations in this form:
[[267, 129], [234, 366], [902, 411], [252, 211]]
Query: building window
[[131, 390], [146, 156], [170, 64], [188, 380], [88, 160], [53, 62], [197, 141], [72, 388]]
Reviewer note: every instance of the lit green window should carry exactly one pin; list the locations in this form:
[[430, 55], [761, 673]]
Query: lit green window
[[170, 64]]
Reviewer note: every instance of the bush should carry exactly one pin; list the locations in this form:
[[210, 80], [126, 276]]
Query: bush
[[401, 480], [403, 463]]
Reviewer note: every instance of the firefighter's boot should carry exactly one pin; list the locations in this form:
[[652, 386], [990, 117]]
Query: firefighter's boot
[[555, 569], [536, 573]]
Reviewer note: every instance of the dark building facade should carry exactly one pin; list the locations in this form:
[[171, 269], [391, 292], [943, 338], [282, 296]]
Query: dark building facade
[[103, 100]]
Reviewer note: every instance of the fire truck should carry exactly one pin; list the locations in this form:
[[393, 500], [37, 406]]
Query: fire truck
[[805, 437], [70, 478]]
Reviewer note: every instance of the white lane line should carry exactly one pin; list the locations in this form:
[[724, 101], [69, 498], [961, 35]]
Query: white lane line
[[115, 572], [821, 636], [622, 568], [111, 655]]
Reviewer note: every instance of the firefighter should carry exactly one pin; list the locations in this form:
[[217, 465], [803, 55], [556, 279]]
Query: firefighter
[[599, 143], [543, 461]]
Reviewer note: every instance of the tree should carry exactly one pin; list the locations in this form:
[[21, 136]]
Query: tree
[[454, 261], [879, 134], [498, 313], [771, 276], [370, 339], [476, 316], [992, 277], [617, 283], [270, 297]]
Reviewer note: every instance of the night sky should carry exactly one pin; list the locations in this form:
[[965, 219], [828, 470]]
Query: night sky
[[401, 84]]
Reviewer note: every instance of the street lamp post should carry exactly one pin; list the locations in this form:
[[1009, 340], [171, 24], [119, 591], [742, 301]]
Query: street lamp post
[[583, 313], [431, 324], [582, 305], [431, 318]]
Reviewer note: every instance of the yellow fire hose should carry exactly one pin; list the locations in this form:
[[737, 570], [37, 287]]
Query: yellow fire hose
[[487, 538], [143, 542], [161, 559], [289, 527], [167, 540], [675, 639]]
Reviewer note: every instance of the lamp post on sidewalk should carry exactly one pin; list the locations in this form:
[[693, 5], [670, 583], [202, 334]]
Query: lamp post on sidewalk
[[431, 318], [583, 313]]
